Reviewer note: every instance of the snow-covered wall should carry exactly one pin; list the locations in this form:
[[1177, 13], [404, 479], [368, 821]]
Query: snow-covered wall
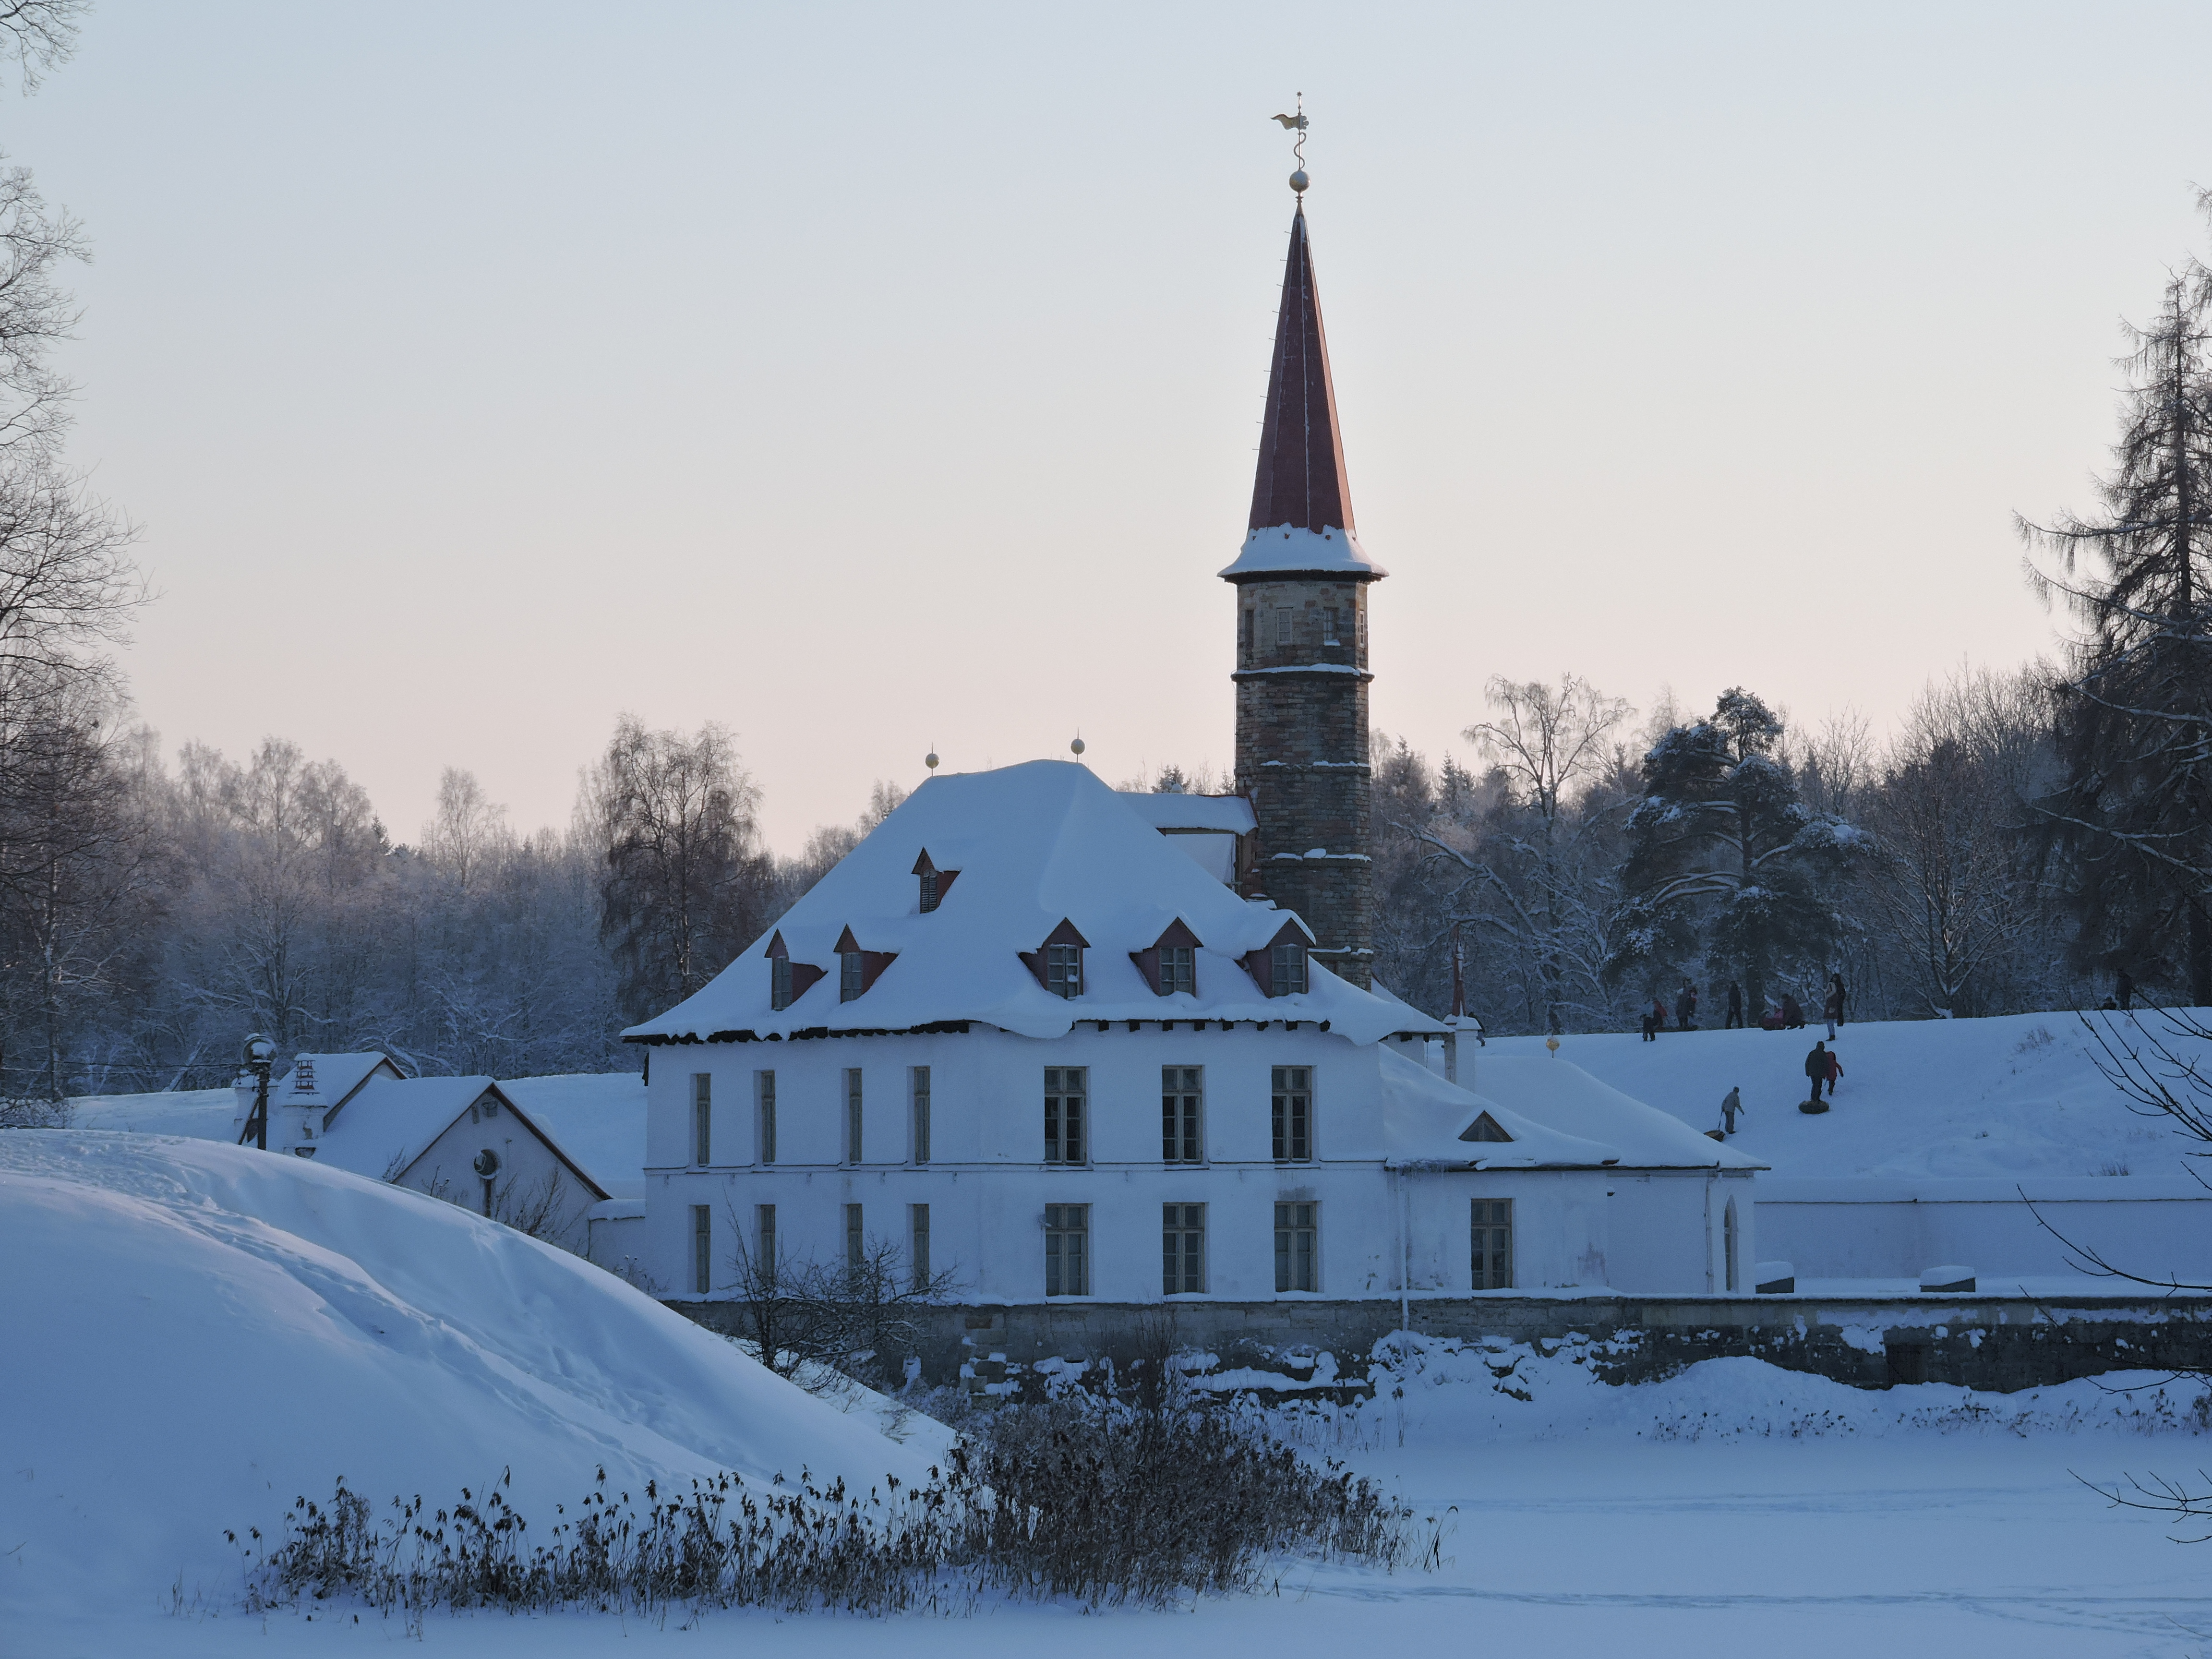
[[2159, 1226]]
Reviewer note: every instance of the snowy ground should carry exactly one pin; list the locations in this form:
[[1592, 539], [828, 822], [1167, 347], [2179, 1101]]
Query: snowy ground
[[2017, 1095], [198, 1333]]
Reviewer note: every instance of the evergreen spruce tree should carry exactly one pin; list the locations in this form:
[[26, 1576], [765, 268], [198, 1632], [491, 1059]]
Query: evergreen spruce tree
[[2134, 716], [1725, 862]]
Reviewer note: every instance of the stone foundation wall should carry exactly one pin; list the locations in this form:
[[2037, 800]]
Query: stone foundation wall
[[1995, 1343]]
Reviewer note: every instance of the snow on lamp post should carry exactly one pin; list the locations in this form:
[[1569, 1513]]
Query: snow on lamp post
[[260, 1055]]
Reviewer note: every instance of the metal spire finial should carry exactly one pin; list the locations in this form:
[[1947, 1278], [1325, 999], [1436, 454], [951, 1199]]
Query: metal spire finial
[[1297, 123]]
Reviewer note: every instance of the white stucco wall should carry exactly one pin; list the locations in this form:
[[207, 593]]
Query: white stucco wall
[[987, 1186], [525, 1165]]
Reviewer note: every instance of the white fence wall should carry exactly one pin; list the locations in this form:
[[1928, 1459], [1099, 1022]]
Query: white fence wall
[[1872, 1228]]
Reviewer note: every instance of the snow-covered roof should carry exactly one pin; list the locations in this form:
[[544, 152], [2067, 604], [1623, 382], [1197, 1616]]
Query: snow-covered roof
[[1286, 549], [1169, 811], [392, 1121], [1034, 845], [598, 1118], [1423, 1118], [1567, 1100], [325, 1079]]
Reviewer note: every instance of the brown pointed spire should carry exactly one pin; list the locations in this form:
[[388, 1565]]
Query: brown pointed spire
[[1300, 500], [1301, 480]]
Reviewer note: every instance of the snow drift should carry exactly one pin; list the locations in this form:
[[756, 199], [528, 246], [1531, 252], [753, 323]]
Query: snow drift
[[199, 1333]]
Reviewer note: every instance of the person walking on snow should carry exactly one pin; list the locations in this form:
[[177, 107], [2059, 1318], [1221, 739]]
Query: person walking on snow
[[1685, 1007], [1731, 1107], [1835, 1071], [1735, 1007], [1816, 1068], [1835, 1008]]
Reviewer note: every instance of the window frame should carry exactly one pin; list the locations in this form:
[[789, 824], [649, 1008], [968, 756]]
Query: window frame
[[1490, 1220], [855, 1116], [852, 974], [1178, 970], [1183, 1115], [918, 1098], [1291, 1114], [1063, 970], [856, 1238], [702, 1120], [1183, 1249], [764, 1116], [779, 984], [917, 1226], [1286, 626], [1287, 970], [1067, 1131], [764, 1245], [702, 1249], [1067, 1249], [1297, 1224]]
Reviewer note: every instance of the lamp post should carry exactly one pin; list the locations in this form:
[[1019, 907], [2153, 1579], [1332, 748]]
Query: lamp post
[[260, 1054]]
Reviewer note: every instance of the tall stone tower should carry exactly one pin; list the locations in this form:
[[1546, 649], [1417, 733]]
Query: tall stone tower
[[1302, 669]]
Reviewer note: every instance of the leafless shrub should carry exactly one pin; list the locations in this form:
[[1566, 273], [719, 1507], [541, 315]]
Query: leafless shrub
[[858, 1318]]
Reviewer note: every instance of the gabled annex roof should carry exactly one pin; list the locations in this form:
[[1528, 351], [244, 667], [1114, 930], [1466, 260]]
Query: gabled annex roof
[[391, 1122], [1035, 845]]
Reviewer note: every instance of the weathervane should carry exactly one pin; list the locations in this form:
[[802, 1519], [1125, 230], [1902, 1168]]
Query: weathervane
[[1297, 123]]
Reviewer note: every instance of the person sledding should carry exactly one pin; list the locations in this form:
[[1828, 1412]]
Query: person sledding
[[1816, 1070], [1731, 1109], [1793, 1013]]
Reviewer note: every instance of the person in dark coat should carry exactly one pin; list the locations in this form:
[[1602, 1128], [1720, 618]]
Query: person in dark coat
[[1816, 1068], [1793, 1015], [1735, 1007], [1685, 1007], [2124, 988], [1835, 1008]]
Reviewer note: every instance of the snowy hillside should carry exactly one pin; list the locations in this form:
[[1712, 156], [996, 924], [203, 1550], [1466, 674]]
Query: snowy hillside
[[197, 1333], [2018, 1094]]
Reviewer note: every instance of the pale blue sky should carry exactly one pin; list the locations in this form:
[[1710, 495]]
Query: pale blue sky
[[872, 377]]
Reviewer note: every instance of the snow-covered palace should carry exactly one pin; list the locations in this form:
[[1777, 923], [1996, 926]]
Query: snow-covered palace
[[1075, 1045]]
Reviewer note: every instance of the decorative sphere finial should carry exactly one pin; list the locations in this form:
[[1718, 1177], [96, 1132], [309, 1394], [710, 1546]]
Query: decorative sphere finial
[[1299, 181], [1076, 749], [930, 760]]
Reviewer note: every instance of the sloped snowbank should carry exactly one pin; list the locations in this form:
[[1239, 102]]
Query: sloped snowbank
[[1437, 1390], [196, 1334], [2015, 1095]]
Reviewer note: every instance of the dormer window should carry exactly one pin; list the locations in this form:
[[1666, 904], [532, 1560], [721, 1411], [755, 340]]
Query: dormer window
[[1485, 1128], [1058, 963], [857, 969], [787, 981], [1171, 965], [1063, 969], [934, 883], [1279, 967]]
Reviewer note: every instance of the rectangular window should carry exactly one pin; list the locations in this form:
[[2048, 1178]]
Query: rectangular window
[[1063, 969], [1287, 966], [779, 982], [1178, 970], [1067, 1249], [1183, 1249], [1292, 1114], [921, 1114], [764, 1115], [1297, 1247], [852, 1115], [1283, 626], [856, 1244], [928, 891], [703, 1118], [765, 1243], [918, 1229], [1244, 630], [1328, 625], [703, 1247], [1494, 1243], [1182, 1120], [849, 975], [1064, 1089]]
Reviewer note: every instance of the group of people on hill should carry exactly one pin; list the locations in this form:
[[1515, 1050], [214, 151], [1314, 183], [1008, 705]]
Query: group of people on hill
[[1788, 1017]]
